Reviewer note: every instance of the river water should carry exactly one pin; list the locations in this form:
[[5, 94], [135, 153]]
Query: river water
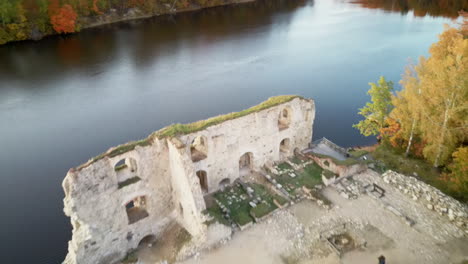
[[66, 99]]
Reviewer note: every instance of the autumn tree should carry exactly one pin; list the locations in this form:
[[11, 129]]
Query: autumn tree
[[458, 176], [392, 132], [407, 106], [64, 20], [376, 111], [8, 11], [464, 23], [444, 92]]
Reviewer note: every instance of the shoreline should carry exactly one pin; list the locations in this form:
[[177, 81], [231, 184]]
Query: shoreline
[[111, 17], [178, 11]]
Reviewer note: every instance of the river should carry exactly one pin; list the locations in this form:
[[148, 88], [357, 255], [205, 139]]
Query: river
[[66, 99]]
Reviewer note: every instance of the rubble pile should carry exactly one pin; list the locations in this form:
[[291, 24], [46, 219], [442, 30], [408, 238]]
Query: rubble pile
[[430, 196]]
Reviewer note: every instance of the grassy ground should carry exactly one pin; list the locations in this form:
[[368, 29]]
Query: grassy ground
[[217, 214], [239, 208], [263, 209], [310, 176], [390, 159]]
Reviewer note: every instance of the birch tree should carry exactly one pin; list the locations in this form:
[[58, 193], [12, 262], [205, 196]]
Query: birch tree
[[407, 106], [444, 84]]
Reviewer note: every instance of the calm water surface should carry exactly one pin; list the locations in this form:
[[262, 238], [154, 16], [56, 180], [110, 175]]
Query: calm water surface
[[66, 99]]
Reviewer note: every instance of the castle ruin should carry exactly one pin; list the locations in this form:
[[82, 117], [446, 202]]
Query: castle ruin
[[137, 189]]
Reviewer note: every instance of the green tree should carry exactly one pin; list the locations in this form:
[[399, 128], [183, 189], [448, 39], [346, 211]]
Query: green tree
[[8, 11], [376, 111]]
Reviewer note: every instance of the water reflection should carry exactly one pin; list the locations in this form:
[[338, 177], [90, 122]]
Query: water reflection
[[420, 8], [68, 98], [143, 41]]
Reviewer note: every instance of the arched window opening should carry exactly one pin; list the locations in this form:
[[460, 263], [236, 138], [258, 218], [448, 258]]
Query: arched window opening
[[126, 164], [136, 209], [224, 183], [126, 172], [202, 177], [199, 149], [147, 240], [245, 164], [284, 148], [284, 119]]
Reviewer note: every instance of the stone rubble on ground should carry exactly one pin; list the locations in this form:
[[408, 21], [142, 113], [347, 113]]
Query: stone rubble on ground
[[433, 198]]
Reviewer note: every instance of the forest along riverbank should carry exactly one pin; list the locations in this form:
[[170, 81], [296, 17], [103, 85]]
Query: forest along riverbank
[[33, 20]]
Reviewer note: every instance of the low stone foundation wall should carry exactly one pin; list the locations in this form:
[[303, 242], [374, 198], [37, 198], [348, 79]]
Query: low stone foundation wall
[[340, 170], [434, 199]]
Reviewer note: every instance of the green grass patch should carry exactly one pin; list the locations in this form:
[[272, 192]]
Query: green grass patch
[[284, 166], [128, 182], [241, 214], [262, 209], [390, 159], [296, 160], [217, 214], [120, 167], [328, 174], [310, 176], [268, 206], [239, 208], [182, 129]]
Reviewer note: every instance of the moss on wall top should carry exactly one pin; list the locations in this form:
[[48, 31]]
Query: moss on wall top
[[184, 129]]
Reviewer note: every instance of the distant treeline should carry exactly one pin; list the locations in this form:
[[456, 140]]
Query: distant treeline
[[33, 19], [446, 8]]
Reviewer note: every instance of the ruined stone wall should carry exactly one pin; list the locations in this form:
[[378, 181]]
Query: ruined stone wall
[[163, 173], [96, 205], [258, 134], [431, 197], [340, 170]]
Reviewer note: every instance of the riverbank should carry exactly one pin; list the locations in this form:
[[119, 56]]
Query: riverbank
[[26, 29]]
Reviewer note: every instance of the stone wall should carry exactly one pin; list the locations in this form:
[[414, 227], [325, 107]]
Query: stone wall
[[117, 200], [340, 170], [431, 197]]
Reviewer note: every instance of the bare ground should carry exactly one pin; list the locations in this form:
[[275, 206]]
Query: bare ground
[[296, 235]]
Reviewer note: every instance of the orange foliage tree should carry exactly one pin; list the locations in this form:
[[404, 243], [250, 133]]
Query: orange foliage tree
[[64, 20], [96, 8], [391, 131]]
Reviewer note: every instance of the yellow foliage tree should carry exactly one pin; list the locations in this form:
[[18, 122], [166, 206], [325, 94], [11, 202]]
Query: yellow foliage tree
[[443, 79]]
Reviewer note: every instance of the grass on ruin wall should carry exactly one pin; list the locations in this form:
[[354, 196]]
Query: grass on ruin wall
[[184, 129]]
